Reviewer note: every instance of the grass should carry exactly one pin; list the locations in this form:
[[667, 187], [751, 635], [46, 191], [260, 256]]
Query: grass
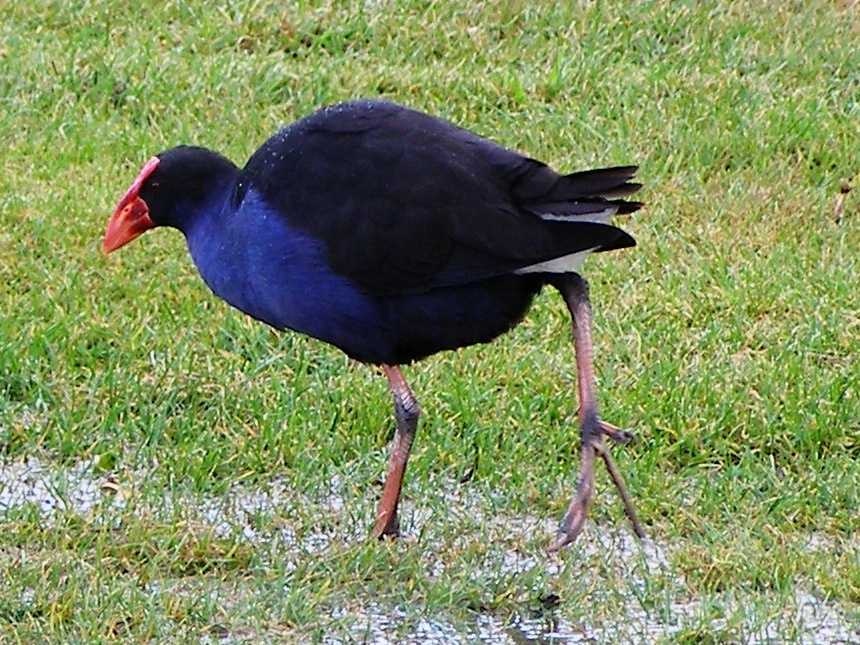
[[729, 338]]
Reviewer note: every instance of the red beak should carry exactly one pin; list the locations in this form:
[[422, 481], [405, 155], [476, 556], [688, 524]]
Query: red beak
[[127, 223], [131, 217]]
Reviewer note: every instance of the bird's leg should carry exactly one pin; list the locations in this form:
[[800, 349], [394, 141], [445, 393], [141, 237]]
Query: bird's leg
[[616, 434], [406, 412], [575, 292]]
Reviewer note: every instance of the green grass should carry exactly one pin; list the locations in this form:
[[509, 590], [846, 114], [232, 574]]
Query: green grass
[[729, 338]]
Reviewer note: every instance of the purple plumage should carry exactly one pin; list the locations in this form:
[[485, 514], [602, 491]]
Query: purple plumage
[[386, 232]]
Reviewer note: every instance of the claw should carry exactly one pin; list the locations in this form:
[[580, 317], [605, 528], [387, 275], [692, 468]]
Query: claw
[[386, 527], [616, 434]]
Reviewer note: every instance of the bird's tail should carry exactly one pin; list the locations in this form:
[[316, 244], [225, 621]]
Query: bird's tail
[[579, 208], [590, 195]]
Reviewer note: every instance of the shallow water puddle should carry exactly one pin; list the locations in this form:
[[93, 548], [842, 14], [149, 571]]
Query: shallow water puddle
[[49, 488], [810, 620], [627, 565]]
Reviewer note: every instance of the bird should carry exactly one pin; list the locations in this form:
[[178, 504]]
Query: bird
[[392, 235]]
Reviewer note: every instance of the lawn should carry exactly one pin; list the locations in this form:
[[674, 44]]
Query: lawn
[[174, 471]]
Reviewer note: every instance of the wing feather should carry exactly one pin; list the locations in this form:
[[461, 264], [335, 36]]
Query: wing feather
[[405, 202]]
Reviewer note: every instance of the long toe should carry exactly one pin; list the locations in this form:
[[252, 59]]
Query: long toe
[[574, 519], [386, 527], [563, 538], [620, 486], [615, 434]]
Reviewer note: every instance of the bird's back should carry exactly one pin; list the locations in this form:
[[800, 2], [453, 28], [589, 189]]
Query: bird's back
[[404, 202], [394, 235]]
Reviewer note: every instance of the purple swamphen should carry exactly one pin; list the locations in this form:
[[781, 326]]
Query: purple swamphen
[[393, 235]]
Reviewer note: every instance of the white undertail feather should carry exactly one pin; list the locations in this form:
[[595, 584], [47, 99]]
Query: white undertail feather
[[598, 217], [572, 262]]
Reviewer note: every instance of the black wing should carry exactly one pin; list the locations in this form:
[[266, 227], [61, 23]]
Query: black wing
[[405, 202]]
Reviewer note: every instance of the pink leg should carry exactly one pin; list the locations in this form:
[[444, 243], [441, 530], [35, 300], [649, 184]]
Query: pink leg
[[575, 292], [406, 411]]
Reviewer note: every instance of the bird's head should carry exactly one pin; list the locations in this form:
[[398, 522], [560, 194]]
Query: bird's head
[[169, 190]]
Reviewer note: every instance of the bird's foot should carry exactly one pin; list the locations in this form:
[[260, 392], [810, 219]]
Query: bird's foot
[[387, 526], [593, 446], [615, 434]]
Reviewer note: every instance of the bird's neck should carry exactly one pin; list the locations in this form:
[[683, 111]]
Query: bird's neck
[[209, 211], [194, 187]]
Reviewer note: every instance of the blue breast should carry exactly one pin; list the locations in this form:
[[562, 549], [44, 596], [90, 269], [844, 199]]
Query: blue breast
[[255, 261]]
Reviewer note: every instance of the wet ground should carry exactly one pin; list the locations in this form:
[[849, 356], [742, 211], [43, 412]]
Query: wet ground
[[80, 489]]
